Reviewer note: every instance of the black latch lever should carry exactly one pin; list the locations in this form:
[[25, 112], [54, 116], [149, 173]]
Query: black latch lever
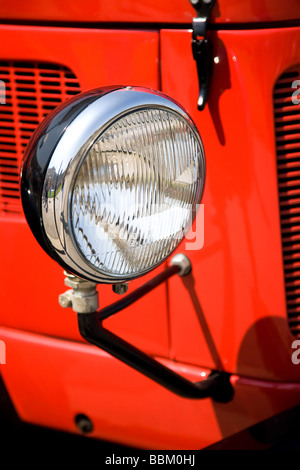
[[202, 48]]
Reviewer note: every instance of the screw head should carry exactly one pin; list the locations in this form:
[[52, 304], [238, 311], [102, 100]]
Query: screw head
[[64, 301], [83, 423], [120, 289], [183, 262]]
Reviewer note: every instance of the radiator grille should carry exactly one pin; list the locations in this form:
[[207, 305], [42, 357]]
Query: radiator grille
[[287, 125], [32, 89]]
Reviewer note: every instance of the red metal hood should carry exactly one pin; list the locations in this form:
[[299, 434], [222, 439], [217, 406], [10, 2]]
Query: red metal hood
[[147, 11]]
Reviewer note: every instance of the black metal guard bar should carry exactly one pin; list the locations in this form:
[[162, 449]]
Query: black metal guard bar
[[139, 292], [217, 385]]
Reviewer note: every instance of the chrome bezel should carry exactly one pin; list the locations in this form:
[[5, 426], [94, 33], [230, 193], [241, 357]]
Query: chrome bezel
[[66, 159]]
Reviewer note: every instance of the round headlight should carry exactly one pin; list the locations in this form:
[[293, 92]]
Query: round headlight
[[111, 181]]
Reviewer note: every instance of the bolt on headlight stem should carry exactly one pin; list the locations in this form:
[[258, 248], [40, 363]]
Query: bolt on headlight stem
[[83, 296]]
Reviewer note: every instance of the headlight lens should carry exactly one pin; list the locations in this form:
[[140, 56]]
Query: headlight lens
[[135, 191], [122, 185]]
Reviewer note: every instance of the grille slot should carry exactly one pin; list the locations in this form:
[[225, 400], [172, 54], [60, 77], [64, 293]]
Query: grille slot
[[287, 128], [32, 90]]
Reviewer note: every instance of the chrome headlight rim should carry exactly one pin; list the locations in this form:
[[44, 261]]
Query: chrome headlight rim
[[69, 153], [37, 156]]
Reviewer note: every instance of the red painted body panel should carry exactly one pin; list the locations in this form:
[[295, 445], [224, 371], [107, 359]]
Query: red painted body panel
[[35, 308], [99, 57], [238, 275], [230, 314], [152, 11], [124, 405]]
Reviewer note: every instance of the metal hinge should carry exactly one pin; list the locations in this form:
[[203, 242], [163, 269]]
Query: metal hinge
[[202, 47]]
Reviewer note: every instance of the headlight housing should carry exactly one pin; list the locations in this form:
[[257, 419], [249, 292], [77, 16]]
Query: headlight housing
[[111, 181]]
